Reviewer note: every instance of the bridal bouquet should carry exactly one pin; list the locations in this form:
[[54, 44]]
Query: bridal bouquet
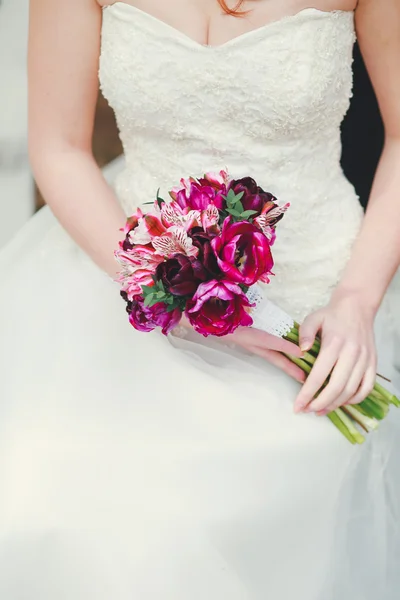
[[203, 254], [198, 255]]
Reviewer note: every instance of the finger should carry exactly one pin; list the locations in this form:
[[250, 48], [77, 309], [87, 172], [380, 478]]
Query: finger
[[338, 390], [366, 387], [274, 342], [319, 374], [352, 388], [309, 330], [280, 361]]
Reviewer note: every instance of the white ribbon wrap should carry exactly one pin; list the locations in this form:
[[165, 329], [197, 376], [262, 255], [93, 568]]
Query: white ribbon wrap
[[266, 315]]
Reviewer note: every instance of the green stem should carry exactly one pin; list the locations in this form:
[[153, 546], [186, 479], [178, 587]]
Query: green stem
[[300, 363], [334, 418], [309, 358], [377, 396], [294, 336], [387, 395], [373, 409], [366, 422], [347, 422]]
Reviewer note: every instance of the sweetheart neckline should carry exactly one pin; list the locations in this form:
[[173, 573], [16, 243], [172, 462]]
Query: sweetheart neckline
[[248, 34]]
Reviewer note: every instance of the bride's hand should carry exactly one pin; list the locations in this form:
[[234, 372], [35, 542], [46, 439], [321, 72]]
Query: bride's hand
[[269, 347], [347, 355]]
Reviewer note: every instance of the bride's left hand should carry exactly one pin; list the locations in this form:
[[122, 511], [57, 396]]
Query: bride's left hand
[[347, 355]]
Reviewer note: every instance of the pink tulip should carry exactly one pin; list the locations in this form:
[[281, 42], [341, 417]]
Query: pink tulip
[[218, 308], [146, 318], [243, 253]]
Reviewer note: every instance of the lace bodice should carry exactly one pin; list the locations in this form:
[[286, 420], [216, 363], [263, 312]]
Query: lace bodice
[[267, 104]]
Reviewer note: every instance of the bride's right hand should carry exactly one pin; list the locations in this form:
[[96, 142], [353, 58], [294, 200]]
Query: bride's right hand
[[267, 346], [270, 347]]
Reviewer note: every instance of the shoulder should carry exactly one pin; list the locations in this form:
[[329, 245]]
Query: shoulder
[[378, 32], [385, 8]]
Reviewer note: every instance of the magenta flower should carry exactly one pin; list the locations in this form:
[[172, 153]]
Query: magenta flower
[[181, 275], [146, 318], [243, 253], [198, 194], [219, 180], [218, 308], [254, 197]]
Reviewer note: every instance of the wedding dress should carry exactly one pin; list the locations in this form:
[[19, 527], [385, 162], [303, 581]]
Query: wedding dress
[[135, 466]]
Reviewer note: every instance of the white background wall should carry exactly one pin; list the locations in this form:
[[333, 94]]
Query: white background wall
[[16, 185]]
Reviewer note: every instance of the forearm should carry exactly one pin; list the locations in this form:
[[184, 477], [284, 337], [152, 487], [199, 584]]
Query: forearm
[[376, 253], [76, 191]]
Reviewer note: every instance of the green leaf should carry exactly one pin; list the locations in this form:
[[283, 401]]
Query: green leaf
[[238, 197], [147, 289], [160, 201], [233, 212], [148, 299], [239, 206], [248, 213], [160, 294], [230, 197]]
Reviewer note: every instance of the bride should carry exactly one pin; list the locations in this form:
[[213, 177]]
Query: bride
[[147, 467]]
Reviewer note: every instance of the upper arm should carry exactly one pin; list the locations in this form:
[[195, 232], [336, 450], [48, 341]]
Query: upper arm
[[63, 56], [378, 30]]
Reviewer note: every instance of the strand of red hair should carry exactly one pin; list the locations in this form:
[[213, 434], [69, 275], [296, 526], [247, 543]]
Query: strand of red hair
[[236, 12]]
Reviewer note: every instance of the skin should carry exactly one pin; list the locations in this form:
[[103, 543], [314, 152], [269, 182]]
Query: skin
[[64, 47]]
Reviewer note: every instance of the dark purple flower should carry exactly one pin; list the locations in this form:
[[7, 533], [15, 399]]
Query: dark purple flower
[[181, 275], [218, 308], [147, 318], [206, 256], [254, 197], [243, 253]]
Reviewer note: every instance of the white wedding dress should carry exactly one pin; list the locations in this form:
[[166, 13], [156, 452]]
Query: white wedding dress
[[134, 466]]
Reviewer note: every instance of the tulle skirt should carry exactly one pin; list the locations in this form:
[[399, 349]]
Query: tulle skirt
[[134, 466]]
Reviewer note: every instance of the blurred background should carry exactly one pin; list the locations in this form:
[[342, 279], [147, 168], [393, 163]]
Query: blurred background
[[19, 197]]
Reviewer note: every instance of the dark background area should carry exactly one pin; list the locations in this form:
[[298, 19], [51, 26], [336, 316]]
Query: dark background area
[[362, 133]]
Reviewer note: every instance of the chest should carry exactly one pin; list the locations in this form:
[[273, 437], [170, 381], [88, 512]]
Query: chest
[[207, 23], [290, 72]]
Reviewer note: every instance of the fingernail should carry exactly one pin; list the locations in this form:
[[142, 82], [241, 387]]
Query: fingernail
[[304, 346]]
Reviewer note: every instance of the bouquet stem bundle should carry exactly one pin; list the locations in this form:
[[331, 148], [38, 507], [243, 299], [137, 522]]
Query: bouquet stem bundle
[[347, 419]]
